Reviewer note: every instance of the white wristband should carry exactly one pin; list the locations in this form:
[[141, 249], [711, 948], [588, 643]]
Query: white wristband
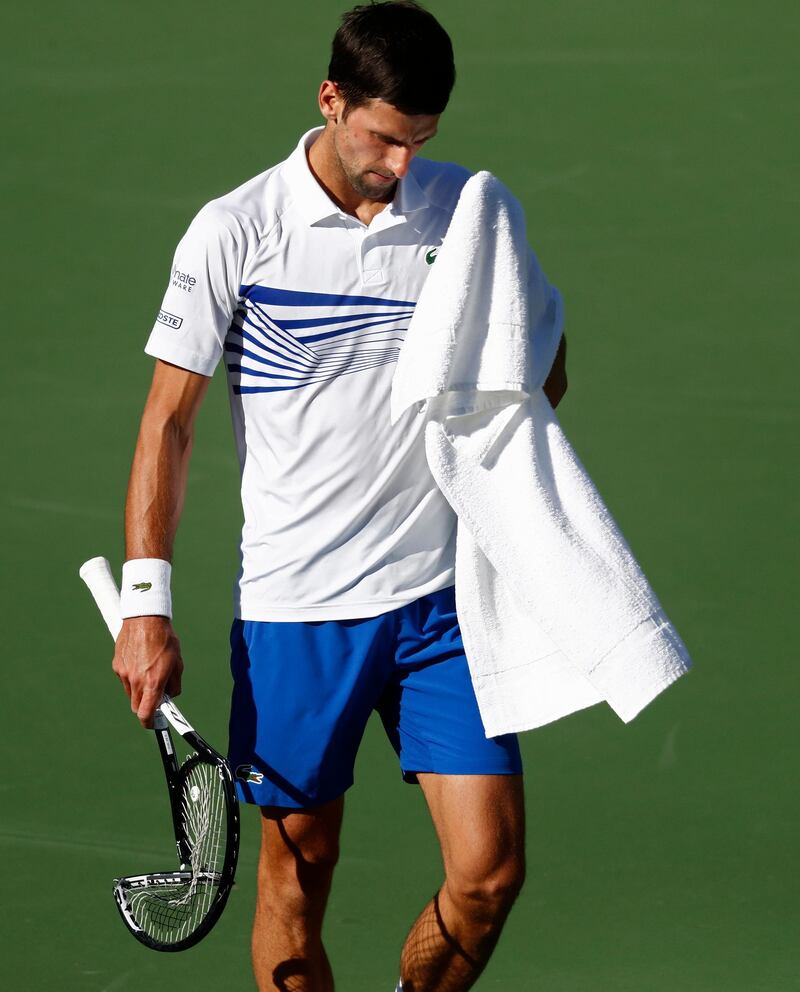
[[145, 588]]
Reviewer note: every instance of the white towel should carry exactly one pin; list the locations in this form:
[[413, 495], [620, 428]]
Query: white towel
[[554, 610], [477, 282]]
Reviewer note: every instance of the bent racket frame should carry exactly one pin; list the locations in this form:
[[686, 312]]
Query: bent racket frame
[[174, 891], [173, 910]]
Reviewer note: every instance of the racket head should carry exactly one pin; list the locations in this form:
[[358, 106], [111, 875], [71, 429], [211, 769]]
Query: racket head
[[173, 910]]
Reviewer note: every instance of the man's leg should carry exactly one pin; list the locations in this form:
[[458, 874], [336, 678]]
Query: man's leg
[[480, 822], [299, 850]]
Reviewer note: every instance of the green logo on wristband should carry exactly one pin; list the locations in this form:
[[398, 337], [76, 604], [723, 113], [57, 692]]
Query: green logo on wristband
[[142, 586]]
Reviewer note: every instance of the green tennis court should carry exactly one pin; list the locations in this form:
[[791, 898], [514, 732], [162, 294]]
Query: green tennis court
[[654, 149]]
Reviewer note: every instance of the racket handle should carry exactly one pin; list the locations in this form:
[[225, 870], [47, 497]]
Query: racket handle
[[96, 573], [179, 722]]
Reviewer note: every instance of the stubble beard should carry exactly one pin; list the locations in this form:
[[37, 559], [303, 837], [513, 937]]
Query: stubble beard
[[371, 191], [358, 180]]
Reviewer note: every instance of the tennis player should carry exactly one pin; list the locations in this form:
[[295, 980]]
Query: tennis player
[[304, 279]]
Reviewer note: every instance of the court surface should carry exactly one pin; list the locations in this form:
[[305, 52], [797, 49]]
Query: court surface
[[653, 148]]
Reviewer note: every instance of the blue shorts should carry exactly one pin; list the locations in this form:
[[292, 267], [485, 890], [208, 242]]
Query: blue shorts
[[303, 693]]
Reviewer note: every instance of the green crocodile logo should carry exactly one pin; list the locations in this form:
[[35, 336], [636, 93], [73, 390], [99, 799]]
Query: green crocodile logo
[[246, 773], [430, 257], [142, 586]]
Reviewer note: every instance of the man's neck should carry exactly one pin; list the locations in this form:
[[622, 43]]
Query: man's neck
[[325, 168]]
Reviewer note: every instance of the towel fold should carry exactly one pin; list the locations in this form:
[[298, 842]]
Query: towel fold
[[555, 612]]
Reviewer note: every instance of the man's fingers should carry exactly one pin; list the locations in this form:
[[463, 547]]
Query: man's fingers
[[136, 697], [119, 669], [173, 686], [150, 699], [122, 675], [148, 661]]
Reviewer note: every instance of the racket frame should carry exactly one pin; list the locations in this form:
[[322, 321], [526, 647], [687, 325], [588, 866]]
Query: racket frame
[[175, 775]]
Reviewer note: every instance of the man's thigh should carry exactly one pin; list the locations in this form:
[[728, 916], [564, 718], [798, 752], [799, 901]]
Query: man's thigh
[[429, 707], [302, 695], [480, 823], [302, 842]]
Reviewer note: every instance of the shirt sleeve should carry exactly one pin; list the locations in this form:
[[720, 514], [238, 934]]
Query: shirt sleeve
[[202, 294], [546, 317]]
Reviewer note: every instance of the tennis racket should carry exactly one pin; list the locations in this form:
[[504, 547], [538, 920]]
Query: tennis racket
[[173, 910]]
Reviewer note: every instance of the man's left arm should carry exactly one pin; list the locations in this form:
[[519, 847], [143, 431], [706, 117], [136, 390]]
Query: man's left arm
[[546, 316], [556, 382]]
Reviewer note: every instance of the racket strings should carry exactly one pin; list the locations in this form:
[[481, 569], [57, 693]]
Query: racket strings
[[204, 820], [196, 805], [171, 906]]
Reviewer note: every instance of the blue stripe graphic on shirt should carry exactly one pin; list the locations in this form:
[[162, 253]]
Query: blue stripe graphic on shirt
[[351, 334], [319, 321], [296, 298]]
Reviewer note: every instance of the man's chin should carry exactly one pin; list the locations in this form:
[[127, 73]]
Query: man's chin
[[373, 189]]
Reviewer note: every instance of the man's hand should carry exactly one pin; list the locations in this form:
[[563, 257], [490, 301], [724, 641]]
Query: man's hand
[[148, 662], [556, 383]]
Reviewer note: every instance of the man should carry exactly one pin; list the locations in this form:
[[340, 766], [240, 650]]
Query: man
[[305, 278]]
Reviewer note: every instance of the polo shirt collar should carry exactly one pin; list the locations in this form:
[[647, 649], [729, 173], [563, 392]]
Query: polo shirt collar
[[309, 197], [409, 196], [314, 203]]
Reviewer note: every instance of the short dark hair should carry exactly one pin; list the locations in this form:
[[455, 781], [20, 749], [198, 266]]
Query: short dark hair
[[394, 51]]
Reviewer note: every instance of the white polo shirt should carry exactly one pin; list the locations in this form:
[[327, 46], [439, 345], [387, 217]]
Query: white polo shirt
[[309, 306]]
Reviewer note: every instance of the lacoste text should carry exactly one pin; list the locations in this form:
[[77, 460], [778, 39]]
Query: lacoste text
[[169, 319]]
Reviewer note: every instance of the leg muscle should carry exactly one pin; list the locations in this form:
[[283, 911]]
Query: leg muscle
[[480, 822], [299, 850]]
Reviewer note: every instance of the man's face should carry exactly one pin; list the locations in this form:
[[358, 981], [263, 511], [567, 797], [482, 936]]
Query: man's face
[[375, 143]]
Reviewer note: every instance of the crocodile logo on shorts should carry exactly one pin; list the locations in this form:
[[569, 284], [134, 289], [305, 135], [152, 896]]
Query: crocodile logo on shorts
[[430, 256], [142, 586], [246, 773]]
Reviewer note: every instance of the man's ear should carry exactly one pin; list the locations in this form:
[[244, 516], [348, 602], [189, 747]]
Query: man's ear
[[330, 101]]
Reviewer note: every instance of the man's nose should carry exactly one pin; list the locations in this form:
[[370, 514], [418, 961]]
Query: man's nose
[[398, 160]]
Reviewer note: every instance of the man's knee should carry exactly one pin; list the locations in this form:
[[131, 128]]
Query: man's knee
[[487, 891], [480, 821]]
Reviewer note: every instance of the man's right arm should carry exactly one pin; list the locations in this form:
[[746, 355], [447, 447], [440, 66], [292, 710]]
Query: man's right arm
[[147, 658]]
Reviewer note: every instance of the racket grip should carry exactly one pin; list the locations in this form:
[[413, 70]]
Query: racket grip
[[96, 573]]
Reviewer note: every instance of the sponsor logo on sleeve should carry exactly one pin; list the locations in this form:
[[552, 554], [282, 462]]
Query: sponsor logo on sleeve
[[169, 319], [183, 280]]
